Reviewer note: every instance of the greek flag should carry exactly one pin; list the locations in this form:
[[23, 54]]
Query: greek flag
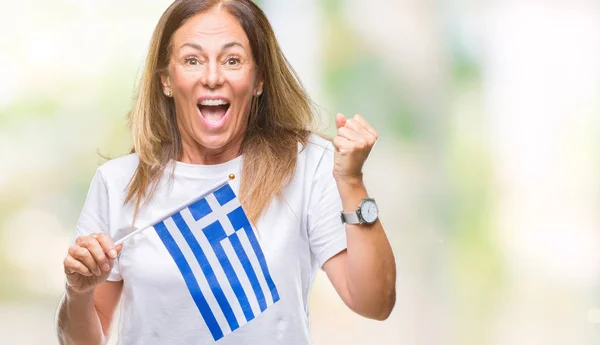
[[221, 261]]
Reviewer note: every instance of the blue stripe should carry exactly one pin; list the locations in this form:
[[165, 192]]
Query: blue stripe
[[199, 209], [190, 280], [208, 271], [263, 264], [239, 249], [215, 234], [224, 194], [239, 221]]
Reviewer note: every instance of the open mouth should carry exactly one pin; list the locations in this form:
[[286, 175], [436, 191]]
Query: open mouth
[[213, 110]]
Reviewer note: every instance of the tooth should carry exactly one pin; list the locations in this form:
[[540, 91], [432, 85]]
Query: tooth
[[213, 102]]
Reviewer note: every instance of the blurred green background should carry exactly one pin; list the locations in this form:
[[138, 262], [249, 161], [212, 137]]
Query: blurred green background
[[486, 171]]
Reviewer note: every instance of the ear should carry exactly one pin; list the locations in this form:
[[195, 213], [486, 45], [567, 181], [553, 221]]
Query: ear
[[259, 88], [166, 84]]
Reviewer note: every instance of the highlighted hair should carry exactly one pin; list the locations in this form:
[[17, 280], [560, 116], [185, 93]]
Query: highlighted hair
[[279, 120]]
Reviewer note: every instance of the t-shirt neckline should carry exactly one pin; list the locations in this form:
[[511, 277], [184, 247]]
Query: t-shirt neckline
[[208, 170]]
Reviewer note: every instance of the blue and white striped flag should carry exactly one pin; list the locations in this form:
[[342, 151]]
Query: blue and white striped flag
[[221, 261]]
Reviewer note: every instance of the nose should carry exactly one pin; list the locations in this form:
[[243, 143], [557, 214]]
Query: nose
[[212, 76]]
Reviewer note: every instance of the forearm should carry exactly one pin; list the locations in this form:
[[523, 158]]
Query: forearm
[[77, 320], [370, 265]]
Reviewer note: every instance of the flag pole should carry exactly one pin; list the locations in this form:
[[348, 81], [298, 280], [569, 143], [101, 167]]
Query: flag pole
[[231, 177]]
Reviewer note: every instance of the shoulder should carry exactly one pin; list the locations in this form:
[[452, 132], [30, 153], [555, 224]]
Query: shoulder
[[319, 142], [316, 149], [119, 170], [316, 157]]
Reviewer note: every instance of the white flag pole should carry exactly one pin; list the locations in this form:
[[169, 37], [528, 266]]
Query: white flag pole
[[181, 207]]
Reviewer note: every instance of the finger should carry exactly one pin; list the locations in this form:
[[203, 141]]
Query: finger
[[340, 120], [366, 124], [357, 140], [84, 256], [107, 245], [342, 145], [73, 266], [359, 128], [347, 133], [93, 246]]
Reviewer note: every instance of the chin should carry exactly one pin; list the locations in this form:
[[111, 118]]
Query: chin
[[213, 141]]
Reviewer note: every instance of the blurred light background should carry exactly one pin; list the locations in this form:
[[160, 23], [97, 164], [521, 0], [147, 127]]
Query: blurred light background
[[486, 171]]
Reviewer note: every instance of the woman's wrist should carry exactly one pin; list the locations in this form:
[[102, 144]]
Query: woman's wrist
[[351, 190], [72, 293], [350, 182]]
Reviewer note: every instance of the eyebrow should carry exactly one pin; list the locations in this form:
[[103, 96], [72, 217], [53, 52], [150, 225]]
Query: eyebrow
[[199, 47]]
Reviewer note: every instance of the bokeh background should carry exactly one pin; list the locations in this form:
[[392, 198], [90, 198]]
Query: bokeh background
[[486, 171]]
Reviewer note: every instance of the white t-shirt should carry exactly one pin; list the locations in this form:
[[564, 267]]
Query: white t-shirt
[[298, 233]]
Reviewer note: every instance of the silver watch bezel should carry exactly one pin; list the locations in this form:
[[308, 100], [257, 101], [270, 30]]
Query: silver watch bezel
[[356, 217], [359, 211]]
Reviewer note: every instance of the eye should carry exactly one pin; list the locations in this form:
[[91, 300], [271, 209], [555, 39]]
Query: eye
[[192, 61], [232, 61]]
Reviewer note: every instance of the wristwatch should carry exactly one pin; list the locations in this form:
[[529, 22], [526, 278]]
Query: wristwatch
[[366, 213]]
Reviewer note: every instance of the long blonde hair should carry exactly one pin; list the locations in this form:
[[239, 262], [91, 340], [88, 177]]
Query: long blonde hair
[[280, 119]]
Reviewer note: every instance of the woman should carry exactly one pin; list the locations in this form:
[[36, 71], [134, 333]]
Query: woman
[[218, 97]]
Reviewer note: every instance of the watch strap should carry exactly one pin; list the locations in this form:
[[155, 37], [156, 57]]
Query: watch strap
[[350, 218]]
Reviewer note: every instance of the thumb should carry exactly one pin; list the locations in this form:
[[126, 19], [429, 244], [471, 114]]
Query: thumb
[[118, 248], [340, 120]]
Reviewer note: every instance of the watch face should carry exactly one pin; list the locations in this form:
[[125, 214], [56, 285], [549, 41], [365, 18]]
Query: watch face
[[368, 211]]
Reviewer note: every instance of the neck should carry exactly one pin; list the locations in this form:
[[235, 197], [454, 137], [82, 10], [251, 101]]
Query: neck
[[194, 153]]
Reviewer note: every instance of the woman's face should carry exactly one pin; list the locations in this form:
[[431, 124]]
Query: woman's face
[[212, 77]]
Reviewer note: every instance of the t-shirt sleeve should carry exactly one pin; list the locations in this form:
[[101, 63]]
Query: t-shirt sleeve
[[327, 233], [95, 216]]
